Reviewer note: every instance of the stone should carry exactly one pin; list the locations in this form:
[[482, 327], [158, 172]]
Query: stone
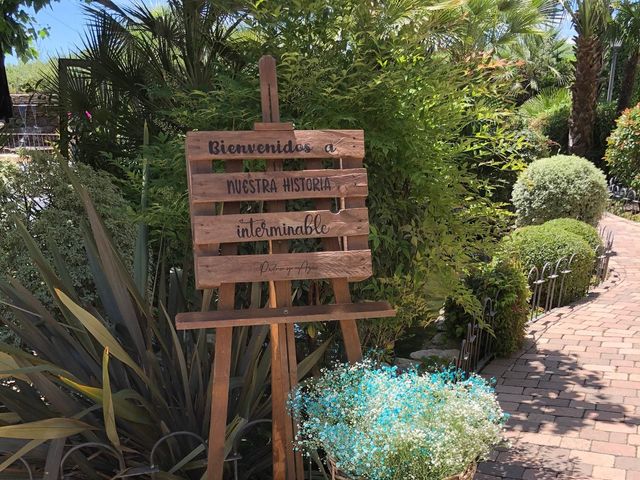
[[439, 338], [450, 354]]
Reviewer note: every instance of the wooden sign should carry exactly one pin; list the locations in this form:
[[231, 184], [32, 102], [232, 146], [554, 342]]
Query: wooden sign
[[255, 186], [283, 266], [338, 219], [275, 144], [280, 226]]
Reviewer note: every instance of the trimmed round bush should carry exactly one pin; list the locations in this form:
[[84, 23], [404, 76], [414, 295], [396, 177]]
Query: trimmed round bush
[[585, 231], [540, 244], [623, 149], [558, 187], [503, 279]]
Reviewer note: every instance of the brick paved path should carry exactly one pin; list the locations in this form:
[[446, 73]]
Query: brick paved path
[[574, 391]]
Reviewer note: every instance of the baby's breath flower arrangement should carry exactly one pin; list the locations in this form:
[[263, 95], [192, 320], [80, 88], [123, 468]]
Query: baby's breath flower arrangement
[[379, 424]]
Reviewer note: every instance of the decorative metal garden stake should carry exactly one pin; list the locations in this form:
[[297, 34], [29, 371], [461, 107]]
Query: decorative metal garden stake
[[340, 221]]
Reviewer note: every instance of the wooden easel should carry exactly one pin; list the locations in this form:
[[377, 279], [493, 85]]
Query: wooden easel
[[345, 256]]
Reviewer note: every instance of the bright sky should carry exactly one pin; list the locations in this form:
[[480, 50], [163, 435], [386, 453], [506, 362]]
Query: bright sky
[[66, 22]]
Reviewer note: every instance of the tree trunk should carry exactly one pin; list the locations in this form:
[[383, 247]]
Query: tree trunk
[[585, 92], [628, 81], [6, 107]]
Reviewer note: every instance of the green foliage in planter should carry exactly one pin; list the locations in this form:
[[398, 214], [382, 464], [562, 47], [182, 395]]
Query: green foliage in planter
[[558, 187], [504, 281], [623, 151], [585, 231], [539, 244], [38, 193]]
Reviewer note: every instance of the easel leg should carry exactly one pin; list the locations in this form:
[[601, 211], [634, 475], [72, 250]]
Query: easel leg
[[219, 403], [293, 381], [279, 381], [349, 327], [287, 465]]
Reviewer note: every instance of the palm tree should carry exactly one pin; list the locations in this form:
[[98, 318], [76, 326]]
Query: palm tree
[[487, 25], [591, 19], [131, 56], [543, 61], [627, 29]]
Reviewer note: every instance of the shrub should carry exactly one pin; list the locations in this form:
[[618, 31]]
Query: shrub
[[606, 115], [585, 231], [554, 124], [550, 117], [558, 187], [537, 245], [376, 423], [503, 280], [623, 150], [38, 193]]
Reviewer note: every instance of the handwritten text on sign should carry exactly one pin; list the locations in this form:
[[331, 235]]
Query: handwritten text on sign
[[286, 266], [229, 145], [280, 226], [282, 185]]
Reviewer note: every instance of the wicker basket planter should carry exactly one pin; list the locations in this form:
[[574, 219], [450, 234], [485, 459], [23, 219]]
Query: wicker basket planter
[[336, 474]]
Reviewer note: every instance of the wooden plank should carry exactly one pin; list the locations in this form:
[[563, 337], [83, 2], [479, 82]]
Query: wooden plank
[[274, 144], [221, 363], [283, 266], [278, 185], [279, 226], [340, 286], [287, 465], [362, 241], [219, 403], [266, 316], [273, 126]]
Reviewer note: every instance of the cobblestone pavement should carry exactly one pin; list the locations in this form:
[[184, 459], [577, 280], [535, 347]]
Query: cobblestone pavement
[[573, 392]]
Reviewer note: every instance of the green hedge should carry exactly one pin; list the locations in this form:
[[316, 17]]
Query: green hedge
[[585, 231], [537, 245], [503, 279], [563, 186]]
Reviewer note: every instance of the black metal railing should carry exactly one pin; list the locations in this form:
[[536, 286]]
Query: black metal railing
[[548, 286], [476, 349], [626, 197]]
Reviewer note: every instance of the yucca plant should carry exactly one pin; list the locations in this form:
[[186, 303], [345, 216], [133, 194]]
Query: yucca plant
[[118, 372]]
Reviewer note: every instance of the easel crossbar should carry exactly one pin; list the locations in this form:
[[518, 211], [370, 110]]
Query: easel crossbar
[[267, 316]]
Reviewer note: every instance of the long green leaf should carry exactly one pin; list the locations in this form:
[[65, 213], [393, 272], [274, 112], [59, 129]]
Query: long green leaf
[[179, 353], [141, 258], [45, 429], [107, 403], [112, 266], [100, 333], [123, 408]]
